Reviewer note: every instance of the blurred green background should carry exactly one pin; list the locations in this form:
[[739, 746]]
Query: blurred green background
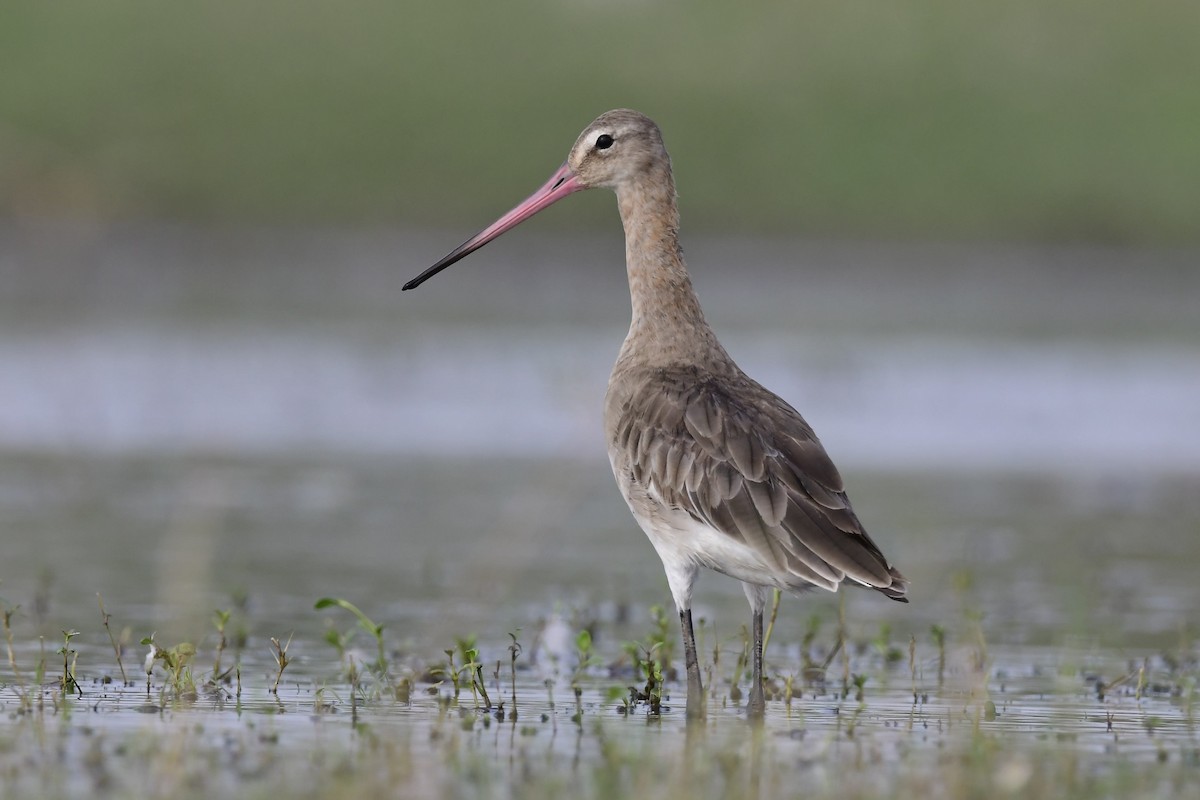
[[1025, 120]]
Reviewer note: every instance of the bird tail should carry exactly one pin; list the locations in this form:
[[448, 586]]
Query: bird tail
[[898, 588]]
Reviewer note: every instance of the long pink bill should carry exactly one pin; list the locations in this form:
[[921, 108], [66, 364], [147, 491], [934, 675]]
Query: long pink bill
[[562, 183]]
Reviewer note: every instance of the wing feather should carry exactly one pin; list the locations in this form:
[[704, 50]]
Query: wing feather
[[740, 460]]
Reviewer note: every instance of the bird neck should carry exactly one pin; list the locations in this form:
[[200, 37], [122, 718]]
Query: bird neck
[[668, 325]]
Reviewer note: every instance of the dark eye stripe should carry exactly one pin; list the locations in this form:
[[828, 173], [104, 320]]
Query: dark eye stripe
[[604, 141]]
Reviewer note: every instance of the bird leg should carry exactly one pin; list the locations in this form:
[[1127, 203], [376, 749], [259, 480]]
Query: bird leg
[[695, 691], [756, 706]]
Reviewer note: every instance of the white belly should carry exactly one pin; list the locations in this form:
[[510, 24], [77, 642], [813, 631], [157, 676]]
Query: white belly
[[685, 545]]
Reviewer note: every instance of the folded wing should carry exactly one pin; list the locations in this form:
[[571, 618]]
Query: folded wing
[[742, 461]]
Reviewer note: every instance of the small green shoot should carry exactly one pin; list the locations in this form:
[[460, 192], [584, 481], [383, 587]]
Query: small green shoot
[[660, 638], [776, 597], [366, 623], [912, 664], [740, 667], [279, 653], [882, 643], [105, 616], [549, 683], [808, 666], [616, 693], [341, 643], [67, 682], [9, 611], [175, 661], [474, 669], [220, 621], [843, 638], [451, 672], [860, 682], [585, 657], [514, 650], [939, 641], [788, 691], [651, 658], [646, 662]]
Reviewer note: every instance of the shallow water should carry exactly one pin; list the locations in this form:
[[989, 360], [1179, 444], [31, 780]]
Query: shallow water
[[192, 421], [1017, 724]]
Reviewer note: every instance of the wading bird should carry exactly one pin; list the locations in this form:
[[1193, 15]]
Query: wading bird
[[718, 471]]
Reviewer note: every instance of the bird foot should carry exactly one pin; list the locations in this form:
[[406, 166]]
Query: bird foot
[[756, 704]]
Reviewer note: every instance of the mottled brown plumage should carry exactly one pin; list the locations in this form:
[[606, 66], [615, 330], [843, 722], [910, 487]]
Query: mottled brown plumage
[[718, 471]]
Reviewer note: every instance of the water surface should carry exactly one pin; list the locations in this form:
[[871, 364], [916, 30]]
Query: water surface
[[249, 421]]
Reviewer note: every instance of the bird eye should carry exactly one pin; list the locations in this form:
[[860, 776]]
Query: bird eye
[[604, 141]]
